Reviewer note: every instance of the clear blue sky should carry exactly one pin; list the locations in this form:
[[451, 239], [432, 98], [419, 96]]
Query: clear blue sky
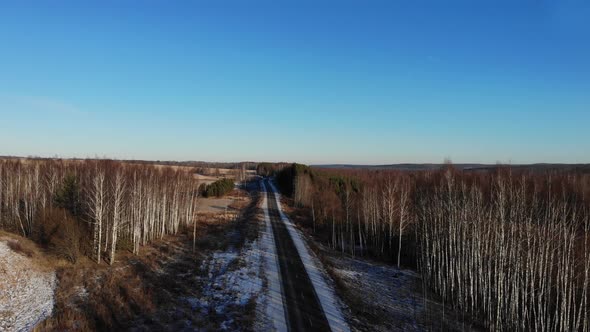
[[308, 81]]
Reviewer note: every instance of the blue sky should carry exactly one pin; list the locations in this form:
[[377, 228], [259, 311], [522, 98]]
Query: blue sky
[[315, 82]]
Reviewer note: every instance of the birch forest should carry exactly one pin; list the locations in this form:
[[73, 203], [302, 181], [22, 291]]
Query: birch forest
[[509, 248], [94, 207]]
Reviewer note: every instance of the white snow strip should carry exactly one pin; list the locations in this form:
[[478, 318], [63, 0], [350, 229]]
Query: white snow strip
[[325, 293], [26, 294], [275, 310]]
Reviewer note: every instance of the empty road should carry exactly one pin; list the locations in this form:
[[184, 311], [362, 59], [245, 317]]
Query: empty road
[[302, 307]]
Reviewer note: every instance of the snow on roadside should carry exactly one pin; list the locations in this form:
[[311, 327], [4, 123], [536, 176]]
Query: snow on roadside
[[319, 277], [26, 293], [270, 307], [233, 281], [389, 291]]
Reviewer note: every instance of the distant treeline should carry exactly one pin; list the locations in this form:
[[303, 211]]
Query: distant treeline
[[199, 164], [218, 188], [509, 247], [249, 165], [269, 169], [541, 167]]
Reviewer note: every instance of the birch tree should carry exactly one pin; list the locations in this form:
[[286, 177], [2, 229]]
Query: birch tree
[[118, 189], [97, 205]]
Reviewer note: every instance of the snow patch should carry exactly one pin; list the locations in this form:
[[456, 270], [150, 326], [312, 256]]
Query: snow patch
[[233, 280], [348, 274], [385, 289], [26, 294]]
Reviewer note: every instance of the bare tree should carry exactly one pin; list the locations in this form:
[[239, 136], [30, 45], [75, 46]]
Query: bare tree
[[118, 189], [404, 202], [97, 205]]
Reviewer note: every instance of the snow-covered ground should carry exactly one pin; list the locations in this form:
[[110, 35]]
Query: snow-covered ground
[[26, 292], [234, 281], [387, 298], [389, 291]]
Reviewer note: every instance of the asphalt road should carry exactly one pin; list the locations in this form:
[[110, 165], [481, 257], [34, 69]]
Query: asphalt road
[[302, 306]]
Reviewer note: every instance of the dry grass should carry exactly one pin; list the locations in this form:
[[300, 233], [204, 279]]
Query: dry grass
[[18, 247], [214, 205], [102, 297], [206, 179], [30, 249], [20, 244], [97, 299]]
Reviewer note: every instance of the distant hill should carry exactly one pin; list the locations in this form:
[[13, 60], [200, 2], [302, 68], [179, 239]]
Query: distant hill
[[541, 167], [403, 167]]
